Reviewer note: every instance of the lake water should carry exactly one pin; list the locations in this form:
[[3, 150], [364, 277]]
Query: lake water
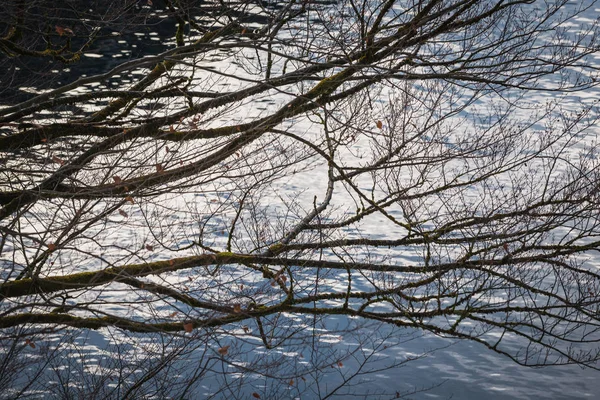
[[444, 368]]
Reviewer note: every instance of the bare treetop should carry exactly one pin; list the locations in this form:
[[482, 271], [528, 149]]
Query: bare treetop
[[229, 176]]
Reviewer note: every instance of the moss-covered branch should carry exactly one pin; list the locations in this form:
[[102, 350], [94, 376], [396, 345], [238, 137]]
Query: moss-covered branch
[[84, 280]]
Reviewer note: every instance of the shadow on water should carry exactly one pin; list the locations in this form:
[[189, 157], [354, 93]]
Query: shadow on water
[[130, 32]]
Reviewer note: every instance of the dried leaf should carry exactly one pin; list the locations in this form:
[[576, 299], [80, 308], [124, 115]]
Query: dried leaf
[[188, 326], [117, 179], [129, 199], [159, 168], [223, 350], [174, 313], [51, 246], [60, 30], [149, 2], [171, 129], [43, 140], [149, 247], [237, 308], [246, 329], [58, 160], [166, 149], [303, 378], [30, 343], [380, 124], [291, 382], [123, 213], [256, 395], [340, 364]]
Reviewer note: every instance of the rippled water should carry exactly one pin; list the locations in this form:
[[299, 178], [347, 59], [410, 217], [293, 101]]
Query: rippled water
[[449, 369]]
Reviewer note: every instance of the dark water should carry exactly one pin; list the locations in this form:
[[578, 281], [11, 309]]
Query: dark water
[[121, 32]]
